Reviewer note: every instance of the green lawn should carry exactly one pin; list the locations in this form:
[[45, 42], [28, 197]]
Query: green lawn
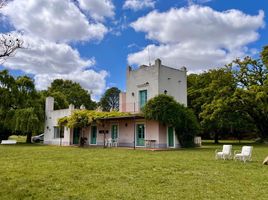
[[47, 172]]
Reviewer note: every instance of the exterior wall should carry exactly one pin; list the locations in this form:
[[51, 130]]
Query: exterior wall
[[122, 102], [51, 120], [144, 78], [156, 79], [162, 136], [174, 82]]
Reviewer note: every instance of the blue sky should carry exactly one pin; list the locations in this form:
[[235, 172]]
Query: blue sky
[[92, 41]]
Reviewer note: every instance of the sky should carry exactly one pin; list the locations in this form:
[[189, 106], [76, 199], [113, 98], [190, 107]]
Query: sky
[[93, 41]]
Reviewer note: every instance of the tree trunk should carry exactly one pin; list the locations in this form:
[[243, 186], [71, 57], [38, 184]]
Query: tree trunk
[[216, 137], [29, 137]]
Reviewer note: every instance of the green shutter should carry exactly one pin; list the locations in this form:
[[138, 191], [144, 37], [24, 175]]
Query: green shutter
[[93, 135], [114, 131]]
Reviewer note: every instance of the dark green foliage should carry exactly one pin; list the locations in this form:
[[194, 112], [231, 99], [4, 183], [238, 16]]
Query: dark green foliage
[[67, 92], [168, 112], [264, 56], [21, 108], [232, 100], [110, 99]]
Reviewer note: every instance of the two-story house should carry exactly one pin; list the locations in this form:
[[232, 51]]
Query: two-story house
[[143, 84]]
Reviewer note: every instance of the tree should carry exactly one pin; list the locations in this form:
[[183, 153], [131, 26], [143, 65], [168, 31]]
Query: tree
[[251, 95], [167, 111], [10, 42], [248, 72], [110, 99], [264, 56], [21, 108], [27, 121], [72, 92]]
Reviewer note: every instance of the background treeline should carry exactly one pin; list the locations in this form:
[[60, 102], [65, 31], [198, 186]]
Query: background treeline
[[229, 102], [232, 101]]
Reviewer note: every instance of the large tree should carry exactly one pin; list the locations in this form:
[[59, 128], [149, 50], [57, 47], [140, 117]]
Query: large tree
[[21, 110], [72, 92], [110, 99], [167, 111]]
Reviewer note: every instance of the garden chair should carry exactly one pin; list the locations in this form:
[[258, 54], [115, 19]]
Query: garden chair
[[244, 155], [115, 142], [109, 142], [226, 152]]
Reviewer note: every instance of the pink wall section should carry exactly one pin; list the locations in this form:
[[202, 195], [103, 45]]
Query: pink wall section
[[162, 136], [126, 127]]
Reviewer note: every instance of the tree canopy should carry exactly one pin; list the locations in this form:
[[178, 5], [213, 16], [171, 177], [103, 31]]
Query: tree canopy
[[232, 99], [21, 108], [68, 92], [110, 99], [167, 111]]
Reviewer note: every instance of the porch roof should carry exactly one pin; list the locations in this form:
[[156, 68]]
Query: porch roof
[[132, 116]]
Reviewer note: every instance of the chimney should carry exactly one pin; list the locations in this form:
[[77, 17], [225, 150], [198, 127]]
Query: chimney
[[157, 62], [49, 104], [129, 68]]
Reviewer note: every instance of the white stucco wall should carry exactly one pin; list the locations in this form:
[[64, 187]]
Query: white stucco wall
[[174, 81], [144, 78], [51, 120], [155, 79]]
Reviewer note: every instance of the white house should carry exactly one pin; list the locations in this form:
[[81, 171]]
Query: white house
[[143, 84]]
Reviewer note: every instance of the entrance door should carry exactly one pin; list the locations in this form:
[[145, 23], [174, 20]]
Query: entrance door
[[93, 139], [170, 137], [114, 132], [140, 135], [76, 133]]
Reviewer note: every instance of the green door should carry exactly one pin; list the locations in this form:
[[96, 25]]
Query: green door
[[114, 131], [140, 135], [170, 137], [76, 133], [93, 135]]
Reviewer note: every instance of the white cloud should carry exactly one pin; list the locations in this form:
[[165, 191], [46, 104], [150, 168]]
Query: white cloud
[[98, 9], [45, 57], [48, 27], [197, 37], [55, 20], [138, 4], [88, 79]]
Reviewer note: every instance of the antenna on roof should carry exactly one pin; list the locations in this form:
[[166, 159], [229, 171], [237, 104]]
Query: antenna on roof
[[149, 58]]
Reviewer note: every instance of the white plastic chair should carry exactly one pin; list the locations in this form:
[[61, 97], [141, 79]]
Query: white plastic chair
[[115, 142], [245, 154], [226, 152], [109, 142]]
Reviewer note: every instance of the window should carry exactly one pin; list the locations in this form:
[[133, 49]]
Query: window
[[58, 132], [143, 97]]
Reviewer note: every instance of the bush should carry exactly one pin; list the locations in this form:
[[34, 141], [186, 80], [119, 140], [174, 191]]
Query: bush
[[167, 111]]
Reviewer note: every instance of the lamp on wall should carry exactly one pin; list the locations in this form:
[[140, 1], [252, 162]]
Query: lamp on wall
[[165, 92], [133, 94]]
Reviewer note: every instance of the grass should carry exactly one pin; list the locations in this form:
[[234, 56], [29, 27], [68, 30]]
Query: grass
[[48, 172]]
